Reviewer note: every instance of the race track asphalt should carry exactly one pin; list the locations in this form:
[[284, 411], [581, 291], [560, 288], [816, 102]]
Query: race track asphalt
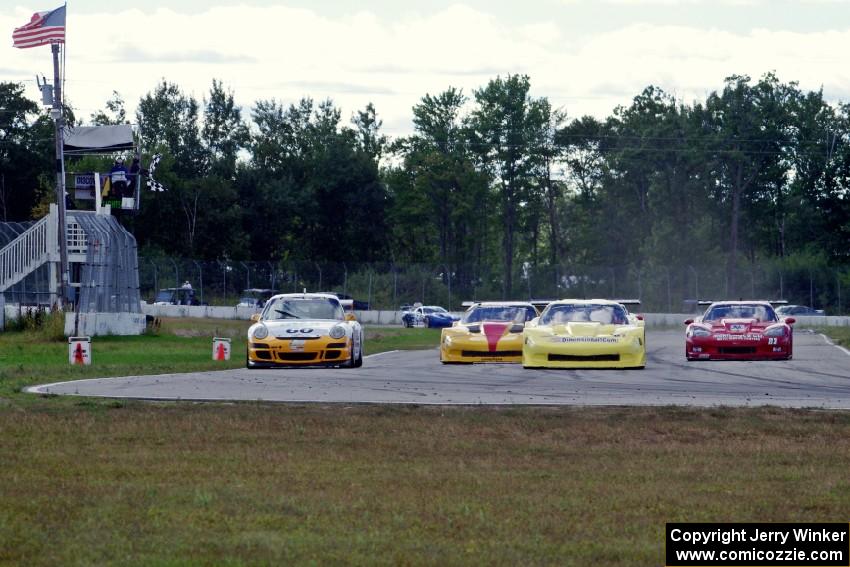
[[817, 377]]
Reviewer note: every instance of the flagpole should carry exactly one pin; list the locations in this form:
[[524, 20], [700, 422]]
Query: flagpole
[[56, 112]]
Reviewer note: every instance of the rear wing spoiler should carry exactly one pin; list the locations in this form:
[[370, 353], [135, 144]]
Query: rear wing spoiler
[[771, 301], [539, 304]]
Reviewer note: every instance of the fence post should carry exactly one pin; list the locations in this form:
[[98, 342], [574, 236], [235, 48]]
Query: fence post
[[247, 275], [449, 279], [176, 273], [200, 277], [811, 290], [155, 277], [272, 274], [640, 285], [424, 279], [696, 282], [369, 295]]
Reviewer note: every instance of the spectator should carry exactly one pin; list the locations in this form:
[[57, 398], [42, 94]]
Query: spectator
[[118, 177]]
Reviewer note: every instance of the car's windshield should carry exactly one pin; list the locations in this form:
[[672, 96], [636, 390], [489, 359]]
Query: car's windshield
[[303, 308], [515, 313], [559, 314], [762, 313]]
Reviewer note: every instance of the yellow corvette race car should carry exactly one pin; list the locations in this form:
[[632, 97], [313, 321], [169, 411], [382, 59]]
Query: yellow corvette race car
[[487, 332], [584, 333], [304, 329]]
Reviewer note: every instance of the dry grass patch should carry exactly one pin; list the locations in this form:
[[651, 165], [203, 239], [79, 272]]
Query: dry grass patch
[[240, 484]]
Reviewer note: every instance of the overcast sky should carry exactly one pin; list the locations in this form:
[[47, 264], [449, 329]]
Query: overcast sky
[[586, 56]]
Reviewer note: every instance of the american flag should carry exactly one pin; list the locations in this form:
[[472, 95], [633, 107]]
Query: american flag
[[43, 28]]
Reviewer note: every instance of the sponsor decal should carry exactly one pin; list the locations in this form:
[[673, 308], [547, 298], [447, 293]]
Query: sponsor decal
[[296, 346], [84, 181], [743, 337], [585, 340], [737, 328]]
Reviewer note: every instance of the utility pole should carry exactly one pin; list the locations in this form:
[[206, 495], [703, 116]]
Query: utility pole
[[56, 112]]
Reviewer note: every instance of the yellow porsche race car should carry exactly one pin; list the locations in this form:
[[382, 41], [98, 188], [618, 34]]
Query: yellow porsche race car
[[584, 333], [488, 332], [304, 329]]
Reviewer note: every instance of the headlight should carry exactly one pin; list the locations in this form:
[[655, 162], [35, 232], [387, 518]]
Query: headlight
[[337, 332], [261, 332], [777, 331], [448, 341], [700, 332]]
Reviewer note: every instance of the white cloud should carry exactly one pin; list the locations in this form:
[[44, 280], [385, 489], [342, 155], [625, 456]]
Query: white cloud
[[286, 53]]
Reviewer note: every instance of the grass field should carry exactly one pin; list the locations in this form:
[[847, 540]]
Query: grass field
[[108, 482], [184, 484]]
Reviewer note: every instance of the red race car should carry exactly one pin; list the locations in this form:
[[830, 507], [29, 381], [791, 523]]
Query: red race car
[[739, 330]]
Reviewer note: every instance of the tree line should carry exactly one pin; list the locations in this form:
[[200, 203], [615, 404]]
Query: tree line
[[493, 180]]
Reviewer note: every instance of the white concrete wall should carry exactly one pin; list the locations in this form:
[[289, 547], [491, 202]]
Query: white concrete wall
[[95, 324], [133, 324], [201, 311], [394, 317]]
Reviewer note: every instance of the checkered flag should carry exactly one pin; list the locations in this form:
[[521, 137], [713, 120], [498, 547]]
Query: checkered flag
[[153, 184]]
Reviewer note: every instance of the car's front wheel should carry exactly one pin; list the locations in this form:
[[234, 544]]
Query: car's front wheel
[[358, 362]]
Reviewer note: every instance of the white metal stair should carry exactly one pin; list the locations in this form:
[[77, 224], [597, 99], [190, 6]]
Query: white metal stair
[[30, 250]]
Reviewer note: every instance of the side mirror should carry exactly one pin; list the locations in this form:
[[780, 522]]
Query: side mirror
[[790, 320], [255, 317], [350, 317], [639, 317], [688, 321]]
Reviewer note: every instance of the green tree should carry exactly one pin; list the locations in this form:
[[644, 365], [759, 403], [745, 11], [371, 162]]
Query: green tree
[[224, 133], [115, 108], [749, 133], [26, 154], [503, 126]]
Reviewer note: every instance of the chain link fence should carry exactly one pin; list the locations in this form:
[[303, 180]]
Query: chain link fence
[[388, 286]]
